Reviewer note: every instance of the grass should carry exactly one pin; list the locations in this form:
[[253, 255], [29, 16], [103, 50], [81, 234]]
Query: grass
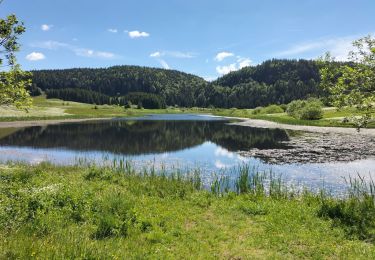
[[57, 109], [44, 109], [331, 117], [119, 213]]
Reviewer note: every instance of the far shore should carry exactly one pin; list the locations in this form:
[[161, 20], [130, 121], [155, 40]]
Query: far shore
[[16, 124], [316, 129], [259, 123]]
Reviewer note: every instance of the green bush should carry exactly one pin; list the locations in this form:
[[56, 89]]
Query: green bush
[[311, 111], [305, 109], [272, 109], [128, 104], [146, 100], [294, 107], [257, 110], [284, 107]]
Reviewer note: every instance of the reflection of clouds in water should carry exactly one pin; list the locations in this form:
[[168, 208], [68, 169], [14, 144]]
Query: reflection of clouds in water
[[226, 159], [164, 155], [242, 159], [38, 160], [223, 152], [221, 165], [208, 158]]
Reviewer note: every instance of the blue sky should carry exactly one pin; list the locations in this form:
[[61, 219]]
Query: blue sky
[[204, 37]]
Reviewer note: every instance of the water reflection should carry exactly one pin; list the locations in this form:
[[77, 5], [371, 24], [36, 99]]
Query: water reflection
[[136, 137], [179, 141]]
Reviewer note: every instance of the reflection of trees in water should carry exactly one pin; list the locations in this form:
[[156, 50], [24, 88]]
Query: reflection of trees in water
[[142, 137]]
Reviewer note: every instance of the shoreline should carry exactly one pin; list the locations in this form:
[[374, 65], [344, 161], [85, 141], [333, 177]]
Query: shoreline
[[26, 123], [257, 123]]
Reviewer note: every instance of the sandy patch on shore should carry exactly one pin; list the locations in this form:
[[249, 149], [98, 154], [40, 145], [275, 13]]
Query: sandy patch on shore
[[316, 129], [9, 111]]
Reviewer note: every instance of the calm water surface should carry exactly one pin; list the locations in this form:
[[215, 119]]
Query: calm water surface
[[170, 141]]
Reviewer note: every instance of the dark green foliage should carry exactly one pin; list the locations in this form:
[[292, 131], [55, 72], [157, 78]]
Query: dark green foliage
[[276, 81], [10, 30], [128, 104], [34, 90], [149, 101], [356, 213], [172, 86], [272, 82], [79, 95]]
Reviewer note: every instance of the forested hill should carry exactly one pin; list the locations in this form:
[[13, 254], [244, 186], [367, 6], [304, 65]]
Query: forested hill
[[119, 81], [273, 71], [272, 82]]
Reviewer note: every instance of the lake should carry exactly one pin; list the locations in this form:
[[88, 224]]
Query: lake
[[214, 145]]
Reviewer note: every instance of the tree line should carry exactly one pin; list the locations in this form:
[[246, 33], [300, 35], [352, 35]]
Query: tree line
[[272, 82]]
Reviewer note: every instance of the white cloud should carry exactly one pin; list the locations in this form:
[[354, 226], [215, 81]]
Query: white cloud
[[105, 54], [222, 55], [209, 78], [179, 54], [222, 70], [244, 62], [164, 64], [46, 27], [93, 54], [35, 56], [240, 63], [338, 47], [83, 52], [137, 34], [112, 30], [173, 54], [155, 54], [302, 48], [50, 45]]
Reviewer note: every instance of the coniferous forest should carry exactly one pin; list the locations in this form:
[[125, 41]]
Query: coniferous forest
[[272, 82]]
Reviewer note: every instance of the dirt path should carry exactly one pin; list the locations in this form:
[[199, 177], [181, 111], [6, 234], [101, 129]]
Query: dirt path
[[316, 129], [17, 124]]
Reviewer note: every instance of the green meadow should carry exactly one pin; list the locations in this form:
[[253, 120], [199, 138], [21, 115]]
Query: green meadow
[[44, 109], [117, 212]]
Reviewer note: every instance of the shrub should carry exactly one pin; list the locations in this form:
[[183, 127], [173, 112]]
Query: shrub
[[147, 100], [305, 109], [272, 109], [311, 111], [128, 104], [294, 107], [284, 107], [257, 110]]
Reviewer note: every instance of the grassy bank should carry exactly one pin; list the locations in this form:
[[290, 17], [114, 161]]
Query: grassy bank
[[117, 213], [57, 109], [44, 109], [331, 117]]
